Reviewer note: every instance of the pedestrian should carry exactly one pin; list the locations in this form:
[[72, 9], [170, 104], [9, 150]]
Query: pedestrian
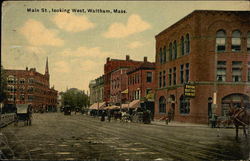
[[214, 120], [109, 115], [103, 116]]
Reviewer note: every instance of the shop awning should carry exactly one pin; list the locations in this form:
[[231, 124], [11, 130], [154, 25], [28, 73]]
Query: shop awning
[[101, 105], [133, 104], [93, 106], [112, 107]]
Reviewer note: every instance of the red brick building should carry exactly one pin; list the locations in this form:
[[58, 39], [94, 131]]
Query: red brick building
[[209, 50], [109, 67], [141, 80], [30, 87], [119, 83]]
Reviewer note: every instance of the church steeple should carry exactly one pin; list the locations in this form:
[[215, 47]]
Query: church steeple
[[47, 67]]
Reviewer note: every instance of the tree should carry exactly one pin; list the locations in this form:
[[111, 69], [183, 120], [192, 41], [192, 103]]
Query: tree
[[75, 98]]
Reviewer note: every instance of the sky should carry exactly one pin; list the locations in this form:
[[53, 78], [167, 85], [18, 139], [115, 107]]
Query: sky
[[77, 44]]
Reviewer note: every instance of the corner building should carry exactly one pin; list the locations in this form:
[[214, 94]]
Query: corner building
[[209, 50], [30, 87]]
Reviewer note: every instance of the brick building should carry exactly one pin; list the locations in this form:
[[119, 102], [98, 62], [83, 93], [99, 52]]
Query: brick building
[[109, 67], [209, 50], [141, 80], [30, 87], [119, 83]]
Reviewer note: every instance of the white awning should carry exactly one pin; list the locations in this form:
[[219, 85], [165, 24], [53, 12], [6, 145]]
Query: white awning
[[133, 104]]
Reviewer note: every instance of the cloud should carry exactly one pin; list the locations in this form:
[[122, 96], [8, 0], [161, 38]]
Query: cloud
[[62, 67], [89, 65], [34, 49], [87, 52], [71, 22], [135, 44], [38, 35], [134, 25]]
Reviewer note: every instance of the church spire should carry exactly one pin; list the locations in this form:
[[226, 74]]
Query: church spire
[[47, 67]]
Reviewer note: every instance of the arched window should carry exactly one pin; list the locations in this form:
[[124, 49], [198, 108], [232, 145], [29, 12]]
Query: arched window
[[187, 44], [162, 104], [170, 51], [21, 80], [11, 79], [248, 42], [220, 41], [184, 105], [160, 80], [236, 41], [164, 54], [182, 46], [175, 50], [160, 55]]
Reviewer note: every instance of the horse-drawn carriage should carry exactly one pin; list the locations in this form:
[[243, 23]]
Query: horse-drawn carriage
[[23, 113]]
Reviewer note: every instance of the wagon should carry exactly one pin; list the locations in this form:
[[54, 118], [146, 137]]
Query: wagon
[[23, 113]]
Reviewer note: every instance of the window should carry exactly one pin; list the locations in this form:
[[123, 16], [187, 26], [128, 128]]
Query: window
[[160, 56], [170, 77], [21, 89], [248, 42], [31, 81], [236, 42], [175, 50], [148, 90], [184, 105], [182, 74], [164, 78], [170, 51], [22, 81], [248, 74], [11, 79], [174, 76], [164, 54], [149, 77], [22, 97], [237, 71], [187, 73], [30, 98], [187, 44], [162, 104], [182, 46], [11, 88], [220, 41], [160, 79], [221, 71], [30, 89]]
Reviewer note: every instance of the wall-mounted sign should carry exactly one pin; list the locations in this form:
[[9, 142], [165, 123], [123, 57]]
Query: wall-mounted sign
[[189, 90]]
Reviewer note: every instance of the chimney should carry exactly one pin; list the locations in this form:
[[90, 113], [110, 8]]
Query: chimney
[[127, 57], [26, 68], [145, 59], [108, 58]]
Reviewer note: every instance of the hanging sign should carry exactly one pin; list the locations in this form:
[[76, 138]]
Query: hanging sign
[[189, 90]]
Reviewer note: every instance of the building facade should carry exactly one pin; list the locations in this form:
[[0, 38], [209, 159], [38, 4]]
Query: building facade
[[109, 67], [208, 51], [118, 84], [141, 80], [30, 87]]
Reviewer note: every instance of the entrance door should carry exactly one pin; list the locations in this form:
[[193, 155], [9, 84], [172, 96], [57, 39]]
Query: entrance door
[[173, 110]]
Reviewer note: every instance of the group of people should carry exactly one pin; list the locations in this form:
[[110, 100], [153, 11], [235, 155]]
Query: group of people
[[126, 115]]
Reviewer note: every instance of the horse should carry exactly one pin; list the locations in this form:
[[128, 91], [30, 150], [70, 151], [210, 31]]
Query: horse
[[240, 117]]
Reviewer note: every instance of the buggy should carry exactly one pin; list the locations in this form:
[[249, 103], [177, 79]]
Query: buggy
[[23, 113]]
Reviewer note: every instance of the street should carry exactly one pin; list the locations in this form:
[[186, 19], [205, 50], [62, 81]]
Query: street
[[79, 137]]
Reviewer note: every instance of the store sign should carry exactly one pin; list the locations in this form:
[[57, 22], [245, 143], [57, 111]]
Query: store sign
[[189, 90]]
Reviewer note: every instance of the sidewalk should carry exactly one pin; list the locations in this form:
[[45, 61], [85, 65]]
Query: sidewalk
[[175, 123]]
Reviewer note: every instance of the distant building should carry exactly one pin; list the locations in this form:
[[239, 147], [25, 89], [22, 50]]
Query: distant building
[[110, 66], [97, 92], [92, 92], [207, 54], [118, 84], [30, 87]]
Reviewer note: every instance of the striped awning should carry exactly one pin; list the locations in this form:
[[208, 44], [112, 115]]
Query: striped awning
[[133, 104]]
